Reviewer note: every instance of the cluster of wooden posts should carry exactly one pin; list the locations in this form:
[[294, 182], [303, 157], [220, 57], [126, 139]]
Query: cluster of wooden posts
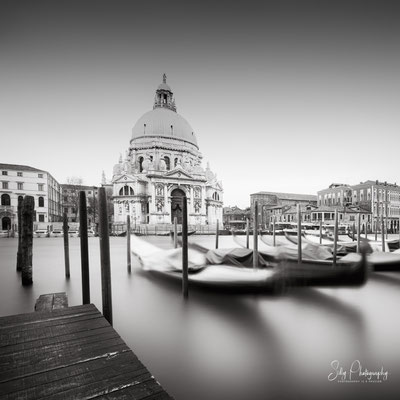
[[25, 247]]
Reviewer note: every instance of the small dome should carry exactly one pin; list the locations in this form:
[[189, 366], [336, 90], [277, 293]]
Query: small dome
[[164, 122], [164, 86]]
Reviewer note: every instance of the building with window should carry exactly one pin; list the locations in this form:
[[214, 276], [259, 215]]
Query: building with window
[[235, 218], [21, 180], [163, 164], [378, 199], [277, 204]]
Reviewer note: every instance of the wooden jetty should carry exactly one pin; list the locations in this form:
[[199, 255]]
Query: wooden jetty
[[61, 352]]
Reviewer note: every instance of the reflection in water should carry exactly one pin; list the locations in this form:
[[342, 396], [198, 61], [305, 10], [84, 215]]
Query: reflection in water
[[226, 346]]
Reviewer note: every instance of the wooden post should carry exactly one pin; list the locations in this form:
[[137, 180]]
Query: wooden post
[[216, 235], [377, 215], [320, 232], [84, 248], [353, 230], [28, 210], [358, 232], [299, 234], [66, 245], [175, 232], [19, 252], [255, 236], [185, 276], [128, 242], [335, 238], [247, 232], [386, 218], [105, 257], [383, 233], [273, 231]]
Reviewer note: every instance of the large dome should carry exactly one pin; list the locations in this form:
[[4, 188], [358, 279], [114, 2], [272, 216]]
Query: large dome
[[164, 122]]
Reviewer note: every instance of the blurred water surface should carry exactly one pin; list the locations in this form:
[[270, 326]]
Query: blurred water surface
[[227, 346]]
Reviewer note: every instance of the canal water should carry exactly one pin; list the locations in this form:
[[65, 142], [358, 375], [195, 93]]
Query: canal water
[[300, 344]]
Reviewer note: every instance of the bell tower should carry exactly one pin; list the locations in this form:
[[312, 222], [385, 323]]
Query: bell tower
[[163, 97]]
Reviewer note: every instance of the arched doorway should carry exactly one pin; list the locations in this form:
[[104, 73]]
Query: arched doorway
[[176, 205], [5, 223]]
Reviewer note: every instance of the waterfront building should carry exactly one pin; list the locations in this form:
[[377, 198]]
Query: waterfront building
[[277, 203], [374, 198], [22, 180], [235, 217], [162, 164]]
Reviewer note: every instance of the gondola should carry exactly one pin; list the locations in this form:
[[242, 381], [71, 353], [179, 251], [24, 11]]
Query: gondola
[[230, 274]]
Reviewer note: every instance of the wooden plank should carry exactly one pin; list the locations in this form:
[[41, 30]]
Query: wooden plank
[[145, 390], [60, 300], [92, 376], [46, 346], [44, 302], [12, 320], [60, 320], [27, 366], [50, 302], [138, 387], [37, 337]]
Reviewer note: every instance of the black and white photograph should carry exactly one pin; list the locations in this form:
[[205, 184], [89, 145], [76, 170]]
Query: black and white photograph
[[200, 200]]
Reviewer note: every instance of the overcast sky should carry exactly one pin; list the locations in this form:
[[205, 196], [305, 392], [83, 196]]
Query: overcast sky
[[283, 96]]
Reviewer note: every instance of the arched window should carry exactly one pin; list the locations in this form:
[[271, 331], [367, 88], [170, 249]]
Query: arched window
[[141, 159], [20, 198], [41, 201], [215, 196], [126, 191], [5, 200], [167, 163]]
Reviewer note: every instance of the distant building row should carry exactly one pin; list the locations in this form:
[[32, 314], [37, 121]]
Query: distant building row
[[371, 200]]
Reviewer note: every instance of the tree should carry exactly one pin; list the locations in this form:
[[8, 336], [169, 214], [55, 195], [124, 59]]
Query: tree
[[72, 196]]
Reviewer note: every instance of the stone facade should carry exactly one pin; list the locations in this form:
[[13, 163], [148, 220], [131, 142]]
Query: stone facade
[[274, 203], [163, 164], [375, 198], [235, 217], [21, 180]]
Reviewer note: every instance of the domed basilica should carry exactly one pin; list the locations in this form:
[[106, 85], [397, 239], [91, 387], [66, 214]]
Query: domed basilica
[[163, 164]]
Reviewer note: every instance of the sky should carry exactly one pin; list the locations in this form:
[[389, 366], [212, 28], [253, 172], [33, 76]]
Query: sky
[[285, 96]]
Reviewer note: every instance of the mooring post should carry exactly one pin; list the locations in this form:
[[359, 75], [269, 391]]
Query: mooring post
[[247, 233], [353, 230], [358, 232], [128, 242], [28, 210], [175, 233], [185, 275], [66, 245], [320, 232], [335, 237], [19, 252], [255, 236], [216, 235], [84, 247], [299, 255], [105, 257], [383, 233], [273, 231]]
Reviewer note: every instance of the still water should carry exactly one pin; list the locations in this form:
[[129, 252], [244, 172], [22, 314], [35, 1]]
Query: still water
[[226, 346]]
